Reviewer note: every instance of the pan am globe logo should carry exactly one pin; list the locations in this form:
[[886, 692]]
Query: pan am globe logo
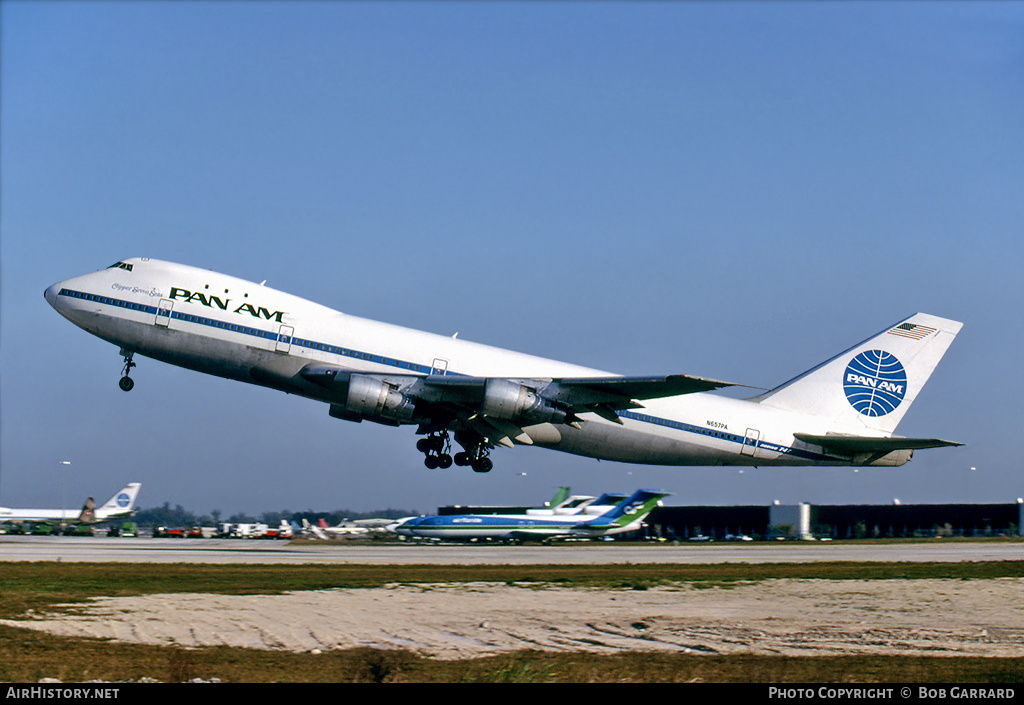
[[122, 500], [875, 383]]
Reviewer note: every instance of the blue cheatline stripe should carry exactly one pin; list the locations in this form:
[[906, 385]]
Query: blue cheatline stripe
[[721, 435], [475, 522], [407, 366], [250, 331]]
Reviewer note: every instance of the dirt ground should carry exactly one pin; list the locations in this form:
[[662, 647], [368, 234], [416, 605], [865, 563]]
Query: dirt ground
[[452, 621]]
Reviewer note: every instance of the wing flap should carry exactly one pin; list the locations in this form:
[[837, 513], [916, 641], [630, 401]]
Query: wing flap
[[498, 431]]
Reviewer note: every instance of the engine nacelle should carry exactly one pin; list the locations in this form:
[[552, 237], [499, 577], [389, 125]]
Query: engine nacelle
[[504, 399], [374, 400]]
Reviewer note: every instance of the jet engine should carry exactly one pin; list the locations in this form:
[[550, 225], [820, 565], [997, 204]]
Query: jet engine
[[370, 398], [508, 400]]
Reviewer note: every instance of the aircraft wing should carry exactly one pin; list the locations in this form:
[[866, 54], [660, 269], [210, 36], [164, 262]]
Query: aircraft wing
[[498, 408], [575, 391], [584, 390], [606, 395], [528, 536], [850, 444]]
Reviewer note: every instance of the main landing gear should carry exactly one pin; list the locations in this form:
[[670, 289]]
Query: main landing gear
[[436, 446], [127, 382], [476, 458], [437, 449]]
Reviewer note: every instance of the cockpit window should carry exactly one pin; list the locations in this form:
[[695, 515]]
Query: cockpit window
[[120, 265]]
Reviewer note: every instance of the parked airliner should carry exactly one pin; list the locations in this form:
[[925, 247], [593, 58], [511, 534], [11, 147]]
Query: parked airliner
[[842, 412], [596, 520], [120, 506]]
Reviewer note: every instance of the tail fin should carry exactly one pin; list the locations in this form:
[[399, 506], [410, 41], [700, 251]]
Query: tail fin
[[88, 514], [313, 529], [560, 496], [874, 383], [629, 511], [122, 503]]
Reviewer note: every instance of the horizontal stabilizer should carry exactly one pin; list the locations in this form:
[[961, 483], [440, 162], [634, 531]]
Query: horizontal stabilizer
[[849, 444]]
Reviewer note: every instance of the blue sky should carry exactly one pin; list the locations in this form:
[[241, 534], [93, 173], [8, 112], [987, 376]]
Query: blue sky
[[732, 190]]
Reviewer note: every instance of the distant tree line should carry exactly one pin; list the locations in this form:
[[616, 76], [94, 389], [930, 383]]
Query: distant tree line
[[179, 516]]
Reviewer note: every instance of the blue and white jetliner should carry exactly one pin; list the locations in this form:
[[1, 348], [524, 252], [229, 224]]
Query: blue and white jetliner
[[120, 506], [842, 412], [605, 516]]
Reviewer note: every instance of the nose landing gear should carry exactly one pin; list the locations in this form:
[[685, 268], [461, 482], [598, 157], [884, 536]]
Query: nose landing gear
[[126, 383]]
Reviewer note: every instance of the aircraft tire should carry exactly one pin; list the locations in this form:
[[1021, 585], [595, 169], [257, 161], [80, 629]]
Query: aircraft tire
[[126, 383]]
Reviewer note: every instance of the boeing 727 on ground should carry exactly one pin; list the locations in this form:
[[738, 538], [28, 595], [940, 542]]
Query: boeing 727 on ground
[[598, 520], [120, 506], [842, 412]]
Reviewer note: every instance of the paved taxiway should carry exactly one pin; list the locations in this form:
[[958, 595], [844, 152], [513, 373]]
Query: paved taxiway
[[147, 550]]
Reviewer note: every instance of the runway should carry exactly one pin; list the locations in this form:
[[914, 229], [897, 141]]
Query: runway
[[148, 550]]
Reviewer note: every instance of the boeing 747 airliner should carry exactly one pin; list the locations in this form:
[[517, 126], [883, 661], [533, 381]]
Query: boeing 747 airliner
[[120, 506], [842, 412]]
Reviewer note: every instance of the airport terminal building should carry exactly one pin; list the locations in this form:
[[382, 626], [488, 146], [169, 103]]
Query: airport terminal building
[[841, 521]]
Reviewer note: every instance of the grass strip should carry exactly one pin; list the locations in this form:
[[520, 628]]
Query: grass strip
[[27, 586], [27, 656]]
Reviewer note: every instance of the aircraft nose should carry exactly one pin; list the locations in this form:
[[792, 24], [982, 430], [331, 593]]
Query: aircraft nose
[[51, 294]]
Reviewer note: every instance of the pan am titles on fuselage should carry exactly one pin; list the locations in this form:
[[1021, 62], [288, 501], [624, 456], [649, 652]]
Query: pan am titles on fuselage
[[842, 412]]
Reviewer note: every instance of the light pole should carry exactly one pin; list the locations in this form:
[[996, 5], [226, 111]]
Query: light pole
[[63, 494]]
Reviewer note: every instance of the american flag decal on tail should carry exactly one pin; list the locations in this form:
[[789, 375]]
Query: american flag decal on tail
[[912, 330]]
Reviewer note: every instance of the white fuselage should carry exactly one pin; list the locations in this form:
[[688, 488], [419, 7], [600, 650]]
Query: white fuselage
[[50, 516], [236, 329], [585, 521], [43, 516], [505, 526], [120, 506]]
